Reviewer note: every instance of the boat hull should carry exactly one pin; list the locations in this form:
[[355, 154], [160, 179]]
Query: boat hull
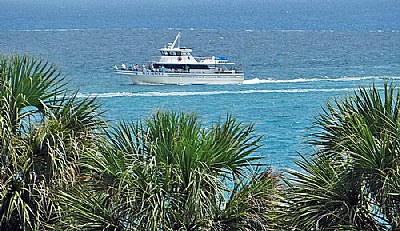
[[139, 77]]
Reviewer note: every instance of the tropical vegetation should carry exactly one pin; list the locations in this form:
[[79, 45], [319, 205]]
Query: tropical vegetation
[[352, 181], [63, 167], [44, 129]]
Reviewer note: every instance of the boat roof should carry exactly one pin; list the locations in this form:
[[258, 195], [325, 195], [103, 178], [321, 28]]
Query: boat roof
[[176, 50], [221, 58]]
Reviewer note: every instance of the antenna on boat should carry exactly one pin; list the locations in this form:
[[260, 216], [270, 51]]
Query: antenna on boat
[[177, 39]]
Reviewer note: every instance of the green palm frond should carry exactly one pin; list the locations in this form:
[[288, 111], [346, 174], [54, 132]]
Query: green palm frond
[[169, 172], [86, 210], [256, 203], [133, 187], [25, 203], [358, 145], [232, 145], [26, 83], [75, 114], [328, 194], [44, 131]]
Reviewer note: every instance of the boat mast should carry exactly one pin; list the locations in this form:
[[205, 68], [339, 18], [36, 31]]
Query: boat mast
[[177, 38]]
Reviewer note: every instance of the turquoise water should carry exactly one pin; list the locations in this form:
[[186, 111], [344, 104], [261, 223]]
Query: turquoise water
[[296, 56]]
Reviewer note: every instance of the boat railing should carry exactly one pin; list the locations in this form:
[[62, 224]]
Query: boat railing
[[228, 68], [215, 60]]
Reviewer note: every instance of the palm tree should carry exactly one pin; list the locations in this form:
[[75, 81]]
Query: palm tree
[[60, 169], [44, 130], [172, 173], [352, 179], [255, 203]]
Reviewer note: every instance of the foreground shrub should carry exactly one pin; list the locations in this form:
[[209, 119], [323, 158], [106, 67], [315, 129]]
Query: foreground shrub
[[44, 129], [171, 172], [352, 181]]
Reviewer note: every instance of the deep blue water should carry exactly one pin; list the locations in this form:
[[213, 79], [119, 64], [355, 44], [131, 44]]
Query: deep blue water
[[296, 54]]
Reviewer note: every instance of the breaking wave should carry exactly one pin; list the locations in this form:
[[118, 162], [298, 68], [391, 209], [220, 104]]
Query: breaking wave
[[327, 79]]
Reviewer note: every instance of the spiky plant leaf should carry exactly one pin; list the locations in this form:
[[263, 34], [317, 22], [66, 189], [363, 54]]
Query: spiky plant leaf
[[357, 141], [169, 171]]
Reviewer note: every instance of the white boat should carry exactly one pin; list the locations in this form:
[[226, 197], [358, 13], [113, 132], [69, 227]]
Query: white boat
[[177, 66]]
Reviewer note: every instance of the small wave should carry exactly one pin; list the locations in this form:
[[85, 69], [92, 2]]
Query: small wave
[[385, 31], [270, 80], [292, 30], [58, 30], [191, 29]]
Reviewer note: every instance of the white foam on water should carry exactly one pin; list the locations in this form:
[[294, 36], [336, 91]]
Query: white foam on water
[[205, 93], [245, 91], [304, 80]]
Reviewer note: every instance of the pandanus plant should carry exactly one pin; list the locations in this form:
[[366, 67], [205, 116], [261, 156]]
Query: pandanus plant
[[171, 172], [44, 128], [352, 181]]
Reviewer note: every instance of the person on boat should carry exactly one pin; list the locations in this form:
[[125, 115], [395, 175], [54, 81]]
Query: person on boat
[[123, 66], [143, 67]]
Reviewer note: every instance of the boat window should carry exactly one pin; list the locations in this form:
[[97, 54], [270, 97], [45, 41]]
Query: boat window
[[178, 53]]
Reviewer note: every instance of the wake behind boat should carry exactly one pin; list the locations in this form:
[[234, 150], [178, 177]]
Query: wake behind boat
[[177, 66]]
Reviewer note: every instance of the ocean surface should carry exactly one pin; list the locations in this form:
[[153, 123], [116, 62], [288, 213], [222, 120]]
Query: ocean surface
[[296, 54]]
